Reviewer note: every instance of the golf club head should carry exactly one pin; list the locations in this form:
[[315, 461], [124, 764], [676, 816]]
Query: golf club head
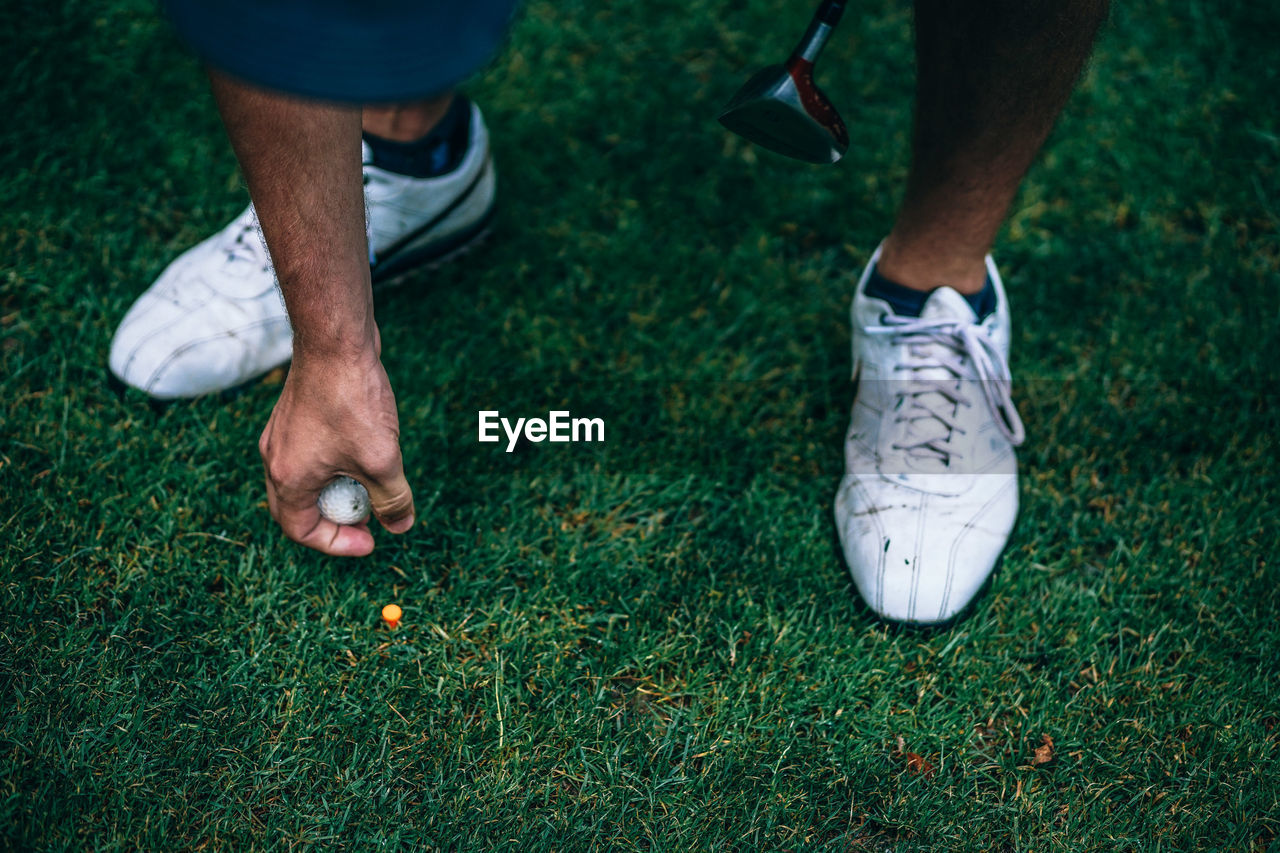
[[783, 110]]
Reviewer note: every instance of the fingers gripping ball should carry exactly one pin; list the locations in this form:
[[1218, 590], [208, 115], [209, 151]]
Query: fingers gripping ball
[[344, 501]]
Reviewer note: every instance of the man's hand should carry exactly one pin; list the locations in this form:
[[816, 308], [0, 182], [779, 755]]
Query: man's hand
[[335, 416]]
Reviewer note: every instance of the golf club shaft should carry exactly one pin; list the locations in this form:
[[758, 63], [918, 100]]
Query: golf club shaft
[[820, 29]]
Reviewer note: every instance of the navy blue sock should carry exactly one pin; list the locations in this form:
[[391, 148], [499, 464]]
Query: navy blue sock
[[438, 152], [908, 302]]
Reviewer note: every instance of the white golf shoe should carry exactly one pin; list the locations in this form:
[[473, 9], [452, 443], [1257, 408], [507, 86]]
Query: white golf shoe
[[930, 490], [215, 318]]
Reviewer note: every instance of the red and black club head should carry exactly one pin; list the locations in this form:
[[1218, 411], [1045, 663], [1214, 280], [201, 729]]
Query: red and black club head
[[782, 109]]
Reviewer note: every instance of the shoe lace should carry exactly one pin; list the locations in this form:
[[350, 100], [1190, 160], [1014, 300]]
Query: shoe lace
[[965, 356], [244, 244]]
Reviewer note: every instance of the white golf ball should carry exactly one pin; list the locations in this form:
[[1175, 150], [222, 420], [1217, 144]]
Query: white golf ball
[[344, 501]]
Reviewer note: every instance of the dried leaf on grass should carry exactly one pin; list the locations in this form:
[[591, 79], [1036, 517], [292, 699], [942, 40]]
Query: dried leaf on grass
[[1044, 752], [920, 765]]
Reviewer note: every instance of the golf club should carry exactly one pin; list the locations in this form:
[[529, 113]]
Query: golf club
[[782, 109]]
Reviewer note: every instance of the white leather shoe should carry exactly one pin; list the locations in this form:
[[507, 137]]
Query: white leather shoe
[[215, 319], [930, 490]]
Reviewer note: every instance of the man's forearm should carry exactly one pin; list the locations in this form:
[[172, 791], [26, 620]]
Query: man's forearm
[[336, 414], [301, 160]]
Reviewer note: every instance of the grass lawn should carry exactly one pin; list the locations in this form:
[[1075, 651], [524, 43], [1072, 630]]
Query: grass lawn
[[653, 644]]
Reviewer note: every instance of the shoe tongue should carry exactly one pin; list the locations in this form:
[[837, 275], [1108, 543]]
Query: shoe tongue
[[947, 304]]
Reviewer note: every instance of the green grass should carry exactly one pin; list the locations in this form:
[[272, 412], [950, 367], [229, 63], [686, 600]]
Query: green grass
[[652, 645]]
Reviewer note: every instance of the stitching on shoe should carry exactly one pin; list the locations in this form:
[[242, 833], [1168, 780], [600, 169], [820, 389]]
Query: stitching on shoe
[[196, 342], [969, 526], [855, 486], [921, 513], [133, 353]]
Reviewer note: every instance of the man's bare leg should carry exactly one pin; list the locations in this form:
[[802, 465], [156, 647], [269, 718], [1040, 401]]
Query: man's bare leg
[[930, 492], [405, 122], [992, 76]]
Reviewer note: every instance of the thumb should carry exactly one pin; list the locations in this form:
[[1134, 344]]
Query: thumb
[[391, 498]]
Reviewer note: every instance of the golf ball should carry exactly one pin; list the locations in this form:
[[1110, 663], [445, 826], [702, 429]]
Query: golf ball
[[344, 501]]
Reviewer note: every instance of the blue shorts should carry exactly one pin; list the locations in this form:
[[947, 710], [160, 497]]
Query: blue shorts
[[372, 51]]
